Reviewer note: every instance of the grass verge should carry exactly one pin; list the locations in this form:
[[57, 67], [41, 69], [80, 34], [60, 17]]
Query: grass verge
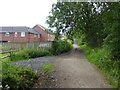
[[100, 58]]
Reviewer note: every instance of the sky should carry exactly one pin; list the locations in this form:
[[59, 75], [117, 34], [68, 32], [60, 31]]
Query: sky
[[24, 12]]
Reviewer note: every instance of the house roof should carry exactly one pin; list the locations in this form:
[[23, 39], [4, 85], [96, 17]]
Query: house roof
[[33, 31], [18, 29], [44, 28]]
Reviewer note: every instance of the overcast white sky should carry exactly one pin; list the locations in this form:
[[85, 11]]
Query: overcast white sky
[[24, 12]]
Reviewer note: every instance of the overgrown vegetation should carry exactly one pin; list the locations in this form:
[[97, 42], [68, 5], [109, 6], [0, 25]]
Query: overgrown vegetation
[[60, 46], [95, 25], [26, 54], [17, 77], [101, 59]]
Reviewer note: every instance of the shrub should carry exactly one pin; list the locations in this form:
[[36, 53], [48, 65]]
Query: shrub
[[60, 46], [20, 55], [31, 53], [16, 77]]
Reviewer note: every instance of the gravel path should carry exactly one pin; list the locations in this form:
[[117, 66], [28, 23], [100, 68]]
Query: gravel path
[[72, 70], [36, 63]]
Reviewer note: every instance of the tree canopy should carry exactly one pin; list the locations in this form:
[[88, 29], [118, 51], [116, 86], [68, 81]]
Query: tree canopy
[[96, 23]]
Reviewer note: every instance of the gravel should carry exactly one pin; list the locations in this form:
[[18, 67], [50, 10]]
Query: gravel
[[36, 63]]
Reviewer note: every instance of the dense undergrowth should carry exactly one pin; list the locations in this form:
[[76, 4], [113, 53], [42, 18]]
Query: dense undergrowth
[[17, 77], [100, 57], [61, 46], [27, 54]]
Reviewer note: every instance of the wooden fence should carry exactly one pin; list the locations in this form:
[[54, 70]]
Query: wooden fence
[[16, 46], [9, 53]]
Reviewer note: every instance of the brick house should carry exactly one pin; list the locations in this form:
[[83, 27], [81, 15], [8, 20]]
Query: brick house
[[19, 34], [45, 35]]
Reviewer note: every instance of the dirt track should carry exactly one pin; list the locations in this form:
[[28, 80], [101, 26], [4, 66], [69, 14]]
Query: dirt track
[[74, 71]]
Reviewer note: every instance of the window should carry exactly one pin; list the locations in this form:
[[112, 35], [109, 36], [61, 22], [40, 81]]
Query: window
[[7, 34], [38, 36], [22, 34], [15, 34], [34, 35]]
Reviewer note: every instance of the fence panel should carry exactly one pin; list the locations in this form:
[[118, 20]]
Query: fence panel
[[16, 46]]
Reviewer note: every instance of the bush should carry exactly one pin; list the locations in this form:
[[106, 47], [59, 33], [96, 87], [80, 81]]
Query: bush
[[20, 55], [16, 77], [60, 46], [31, 53]]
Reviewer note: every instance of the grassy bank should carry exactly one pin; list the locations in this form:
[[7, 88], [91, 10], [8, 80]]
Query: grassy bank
[[100, 58]]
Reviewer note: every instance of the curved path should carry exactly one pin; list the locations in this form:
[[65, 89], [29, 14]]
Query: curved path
[[72, 70]]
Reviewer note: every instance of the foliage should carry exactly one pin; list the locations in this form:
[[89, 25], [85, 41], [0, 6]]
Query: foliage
[[72, 18], [31, 53], [48, 68], [16, 77], [20, 55], [112, 25], [100, 58], [60, 46]]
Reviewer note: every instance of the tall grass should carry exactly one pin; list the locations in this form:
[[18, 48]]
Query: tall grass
[[17, 77], [26, 54], [101, 59]]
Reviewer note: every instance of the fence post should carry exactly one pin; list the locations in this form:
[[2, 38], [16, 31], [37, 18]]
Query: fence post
[[10, 55]]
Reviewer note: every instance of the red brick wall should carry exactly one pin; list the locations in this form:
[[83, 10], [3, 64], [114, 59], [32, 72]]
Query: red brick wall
[[51, 37], [34, 39], [44, 35], [7, 38], [29, 37], [21, 39]]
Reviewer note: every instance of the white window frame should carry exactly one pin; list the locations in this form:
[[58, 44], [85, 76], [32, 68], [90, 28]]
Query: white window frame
[[22, 34], [16, 34], [7, 34], [38, 35], [34, 35]]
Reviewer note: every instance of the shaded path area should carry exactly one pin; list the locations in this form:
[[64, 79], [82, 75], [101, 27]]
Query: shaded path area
[[72, 70]]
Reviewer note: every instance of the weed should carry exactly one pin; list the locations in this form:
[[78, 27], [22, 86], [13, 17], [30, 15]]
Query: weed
[[17, 77], [48, 68]]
